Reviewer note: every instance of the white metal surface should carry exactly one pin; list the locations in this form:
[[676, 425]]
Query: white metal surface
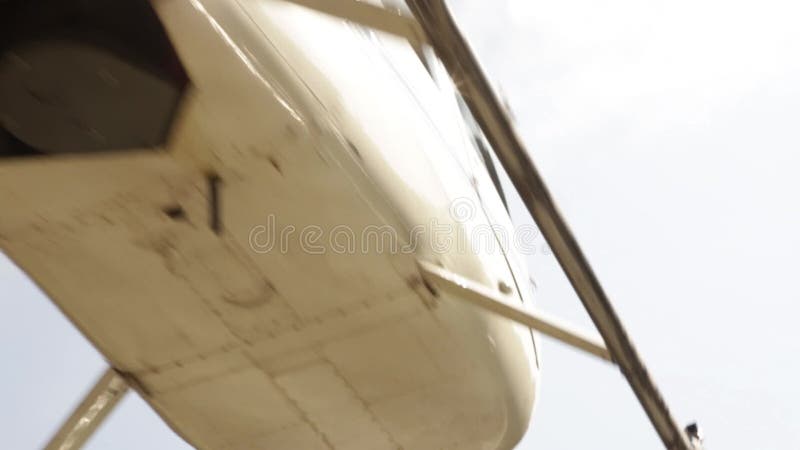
[[308, 122], [375, 16]]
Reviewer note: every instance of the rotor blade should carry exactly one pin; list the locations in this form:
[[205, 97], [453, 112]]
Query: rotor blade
[[446, 39]]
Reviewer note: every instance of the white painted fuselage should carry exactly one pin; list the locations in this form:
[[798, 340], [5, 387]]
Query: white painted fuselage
[[301, 320]]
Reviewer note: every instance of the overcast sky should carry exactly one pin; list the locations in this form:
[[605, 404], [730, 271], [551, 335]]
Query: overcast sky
[[668, 132]]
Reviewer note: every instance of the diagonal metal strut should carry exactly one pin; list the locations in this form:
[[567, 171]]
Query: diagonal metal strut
[[489, 300], [91, 412], [446, 39]]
